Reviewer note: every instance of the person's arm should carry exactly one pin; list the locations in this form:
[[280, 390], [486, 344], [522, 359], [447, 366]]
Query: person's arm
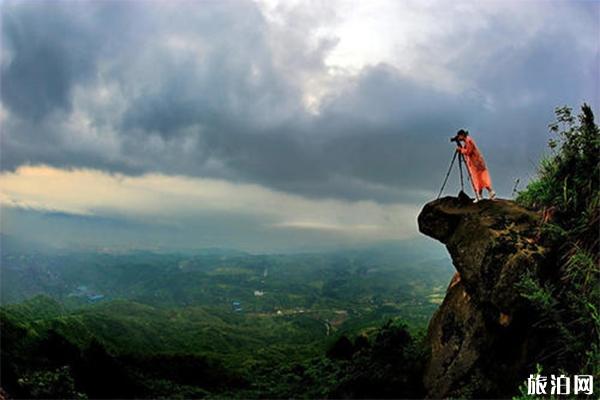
[[466, 149]]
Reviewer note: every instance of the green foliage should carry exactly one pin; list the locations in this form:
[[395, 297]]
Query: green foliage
[[542, 191], [36, 308], [523, 395], [342, 349], [567, 189], [390, 366], [553, 233], [580, 269], [46, 384], [166, 327], [388, 363], [376, 283], [569, 179], [540, 296]]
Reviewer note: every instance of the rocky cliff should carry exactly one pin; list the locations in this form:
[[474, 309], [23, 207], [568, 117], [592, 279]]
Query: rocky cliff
[[481, 338]]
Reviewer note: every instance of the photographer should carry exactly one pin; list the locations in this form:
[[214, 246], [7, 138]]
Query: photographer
[[480, 176]]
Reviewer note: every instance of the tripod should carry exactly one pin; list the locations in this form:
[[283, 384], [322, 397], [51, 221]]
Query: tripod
[[461, 160]]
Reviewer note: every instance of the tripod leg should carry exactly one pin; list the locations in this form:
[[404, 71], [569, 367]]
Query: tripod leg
[[447, 175], [460, 162], [470, 177]]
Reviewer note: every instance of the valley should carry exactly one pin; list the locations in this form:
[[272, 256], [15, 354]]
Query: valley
[[239, 313]]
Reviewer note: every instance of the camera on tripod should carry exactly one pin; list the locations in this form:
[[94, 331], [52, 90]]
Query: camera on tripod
[[461, 132]]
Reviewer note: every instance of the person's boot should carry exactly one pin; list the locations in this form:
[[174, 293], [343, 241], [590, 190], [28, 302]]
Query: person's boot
[[492, 195], [477, 198]]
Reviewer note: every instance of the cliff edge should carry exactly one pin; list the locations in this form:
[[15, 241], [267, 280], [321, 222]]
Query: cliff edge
[[481, 339]]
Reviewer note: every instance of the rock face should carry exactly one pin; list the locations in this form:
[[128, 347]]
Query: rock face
[[481, 338]]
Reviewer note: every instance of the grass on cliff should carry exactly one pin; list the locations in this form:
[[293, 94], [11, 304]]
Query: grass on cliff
[[567, 193]]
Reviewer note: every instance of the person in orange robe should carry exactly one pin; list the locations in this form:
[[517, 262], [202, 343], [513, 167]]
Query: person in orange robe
[[480, 177]]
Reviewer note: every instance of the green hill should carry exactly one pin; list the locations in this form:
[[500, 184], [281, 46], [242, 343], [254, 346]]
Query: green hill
[[233, 325]]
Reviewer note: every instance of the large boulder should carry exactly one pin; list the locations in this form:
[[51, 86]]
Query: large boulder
[[480, 337]]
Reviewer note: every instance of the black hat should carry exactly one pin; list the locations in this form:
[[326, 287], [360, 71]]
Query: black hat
[[462, 132]]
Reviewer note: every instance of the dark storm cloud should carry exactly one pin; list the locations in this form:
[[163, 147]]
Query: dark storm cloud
[[44, 63], [370, 133], [211, 89], [50, 48]]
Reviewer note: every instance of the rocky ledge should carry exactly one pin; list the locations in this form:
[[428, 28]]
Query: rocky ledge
[[481, 338]]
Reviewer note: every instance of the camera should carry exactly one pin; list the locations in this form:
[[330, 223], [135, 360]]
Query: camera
[[461, 132]]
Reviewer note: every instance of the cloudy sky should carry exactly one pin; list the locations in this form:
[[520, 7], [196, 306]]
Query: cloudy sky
[[271, 125]]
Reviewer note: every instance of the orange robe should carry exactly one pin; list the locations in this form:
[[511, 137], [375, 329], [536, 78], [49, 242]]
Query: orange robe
[[479, 172]]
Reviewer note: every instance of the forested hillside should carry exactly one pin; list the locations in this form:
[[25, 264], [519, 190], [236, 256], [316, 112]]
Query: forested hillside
[[216, 323]]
